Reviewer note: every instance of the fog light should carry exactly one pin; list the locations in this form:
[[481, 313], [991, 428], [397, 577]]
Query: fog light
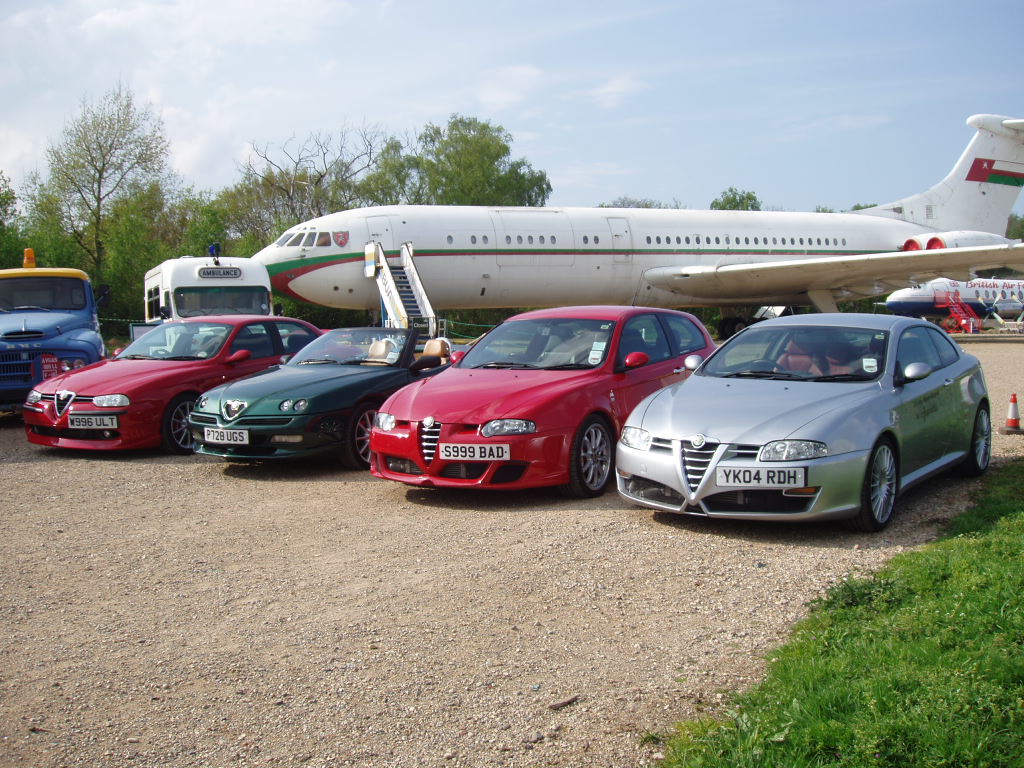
[[286, 439]]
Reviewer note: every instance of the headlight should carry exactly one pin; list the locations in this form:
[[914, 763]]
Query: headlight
[[71, 363], [111, 401], [33, 397], [508, 427], [637, 438], [793, 450], [202, 401], [294, 405], [384, 421]]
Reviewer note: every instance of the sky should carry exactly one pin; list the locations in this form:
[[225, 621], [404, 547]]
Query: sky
[[804, 103]]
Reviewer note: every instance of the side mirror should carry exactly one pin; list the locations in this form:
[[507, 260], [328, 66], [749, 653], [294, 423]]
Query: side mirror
[[238, 357], [457, 356], [913, 372], [692, 362], [278, 309], [637, 359], [164, 312], [425, 361], [102, 295]]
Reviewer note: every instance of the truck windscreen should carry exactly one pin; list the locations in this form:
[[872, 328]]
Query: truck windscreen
[[42, 292]]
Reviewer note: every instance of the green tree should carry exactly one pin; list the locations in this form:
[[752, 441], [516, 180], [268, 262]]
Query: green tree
[[641, 202], [1015, 227], [111, 148], [467, 162], [734, 199], [12, 241]]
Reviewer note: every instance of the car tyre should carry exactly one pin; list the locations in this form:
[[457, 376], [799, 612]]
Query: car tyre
[[174, 430], [355, 449], [980, 452], [591, 460], [879, 489]]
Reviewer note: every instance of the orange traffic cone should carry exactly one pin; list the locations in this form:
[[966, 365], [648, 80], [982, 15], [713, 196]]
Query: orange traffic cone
[[1012, 419]]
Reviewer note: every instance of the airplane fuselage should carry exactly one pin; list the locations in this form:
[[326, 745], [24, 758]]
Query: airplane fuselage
[[1005, 297], [478, 257]]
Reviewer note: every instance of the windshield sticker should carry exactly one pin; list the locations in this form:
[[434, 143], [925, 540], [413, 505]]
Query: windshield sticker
[[596, 353], [870, 365]]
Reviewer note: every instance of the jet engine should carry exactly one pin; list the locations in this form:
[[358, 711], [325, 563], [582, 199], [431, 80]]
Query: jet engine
[[960, 238]]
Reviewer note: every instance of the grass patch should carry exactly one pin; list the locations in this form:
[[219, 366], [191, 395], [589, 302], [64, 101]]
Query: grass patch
[[919, 665]]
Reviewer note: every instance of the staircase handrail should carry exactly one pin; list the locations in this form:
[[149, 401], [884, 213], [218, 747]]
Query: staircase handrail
[[426, 310], [395, 315]]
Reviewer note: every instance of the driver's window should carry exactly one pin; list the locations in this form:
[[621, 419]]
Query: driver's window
[[643, 334], [916, 347]]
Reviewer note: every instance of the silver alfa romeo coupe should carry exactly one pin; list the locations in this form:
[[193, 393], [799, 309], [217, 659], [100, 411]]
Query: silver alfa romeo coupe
[[809, 417]]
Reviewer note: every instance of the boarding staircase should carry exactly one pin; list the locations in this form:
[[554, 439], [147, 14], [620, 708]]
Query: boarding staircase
[[404, 301], [962, 317]]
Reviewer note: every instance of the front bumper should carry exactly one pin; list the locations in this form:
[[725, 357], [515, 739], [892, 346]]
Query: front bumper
[[403, 454], [273, 437], [673, 479], [137, 427]]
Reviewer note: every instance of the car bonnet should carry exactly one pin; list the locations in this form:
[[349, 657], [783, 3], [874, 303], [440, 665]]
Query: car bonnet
[[748, 411], [475, 396]]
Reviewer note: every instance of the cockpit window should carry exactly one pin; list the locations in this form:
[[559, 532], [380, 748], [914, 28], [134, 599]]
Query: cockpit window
[[310, 239], [283, 238], [297, 238], [324, 238]]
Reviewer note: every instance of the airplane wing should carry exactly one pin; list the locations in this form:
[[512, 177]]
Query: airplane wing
[[825, 280]]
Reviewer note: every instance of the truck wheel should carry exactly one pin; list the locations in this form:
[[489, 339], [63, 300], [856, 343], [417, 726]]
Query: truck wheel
[[177, 438]]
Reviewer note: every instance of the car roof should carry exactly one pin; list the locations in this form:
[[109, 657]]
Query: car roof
[[845, 320], [593, 312], [235, 319]]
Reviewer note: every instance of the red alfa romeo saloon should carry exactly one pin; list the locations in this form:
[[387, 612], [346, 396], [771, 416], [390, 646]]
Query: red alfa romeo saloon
[[538, 401], [142, 397]]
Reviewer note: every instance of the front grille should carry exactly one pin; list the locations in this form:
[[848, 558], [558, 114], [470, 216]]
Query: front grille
[[696, 461], [429, 437], [16, 367], [202, 418], [464, 470], [758, 500]]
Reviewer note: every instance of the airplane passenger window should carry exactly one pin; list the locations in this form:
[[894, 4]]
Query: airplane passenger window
[[529, 239], [485, 239], [596, 240], [552, 239], [587, 240], [450, 239], [519, 239], [648, 239], [542, 239], [508, 239]]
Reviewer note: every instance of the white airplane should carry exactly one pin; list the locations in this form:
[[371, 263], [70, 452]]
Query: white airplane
[[479, 256], [983, 295]]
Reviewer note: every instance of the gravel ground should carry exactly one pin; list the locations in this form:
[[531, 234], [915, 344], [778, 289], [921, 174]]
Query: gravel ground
[[181, 611]]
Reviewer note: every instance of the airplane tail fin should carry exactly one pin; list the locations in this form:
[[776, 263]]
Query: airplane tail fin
[[981, 190]]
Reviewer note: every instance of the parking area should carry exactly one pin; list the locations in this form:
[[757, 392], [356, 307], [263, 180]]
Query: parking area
[[179, 611]]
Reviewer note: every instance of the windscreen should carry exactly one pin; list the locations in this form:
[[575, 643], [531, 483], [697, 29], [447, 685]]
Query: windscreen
[[813, 353], [549, 343], [41, 293], [179, 341], [221, 300], [355, 346]]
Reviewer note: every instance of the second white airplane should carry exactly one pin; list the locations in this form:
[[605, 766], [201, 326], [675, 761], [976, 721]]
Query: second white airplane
[[477, 256]]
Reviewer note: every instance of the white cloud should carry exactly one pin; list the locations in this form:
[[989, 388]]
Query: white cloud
[[614, 92], [508, 87]]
